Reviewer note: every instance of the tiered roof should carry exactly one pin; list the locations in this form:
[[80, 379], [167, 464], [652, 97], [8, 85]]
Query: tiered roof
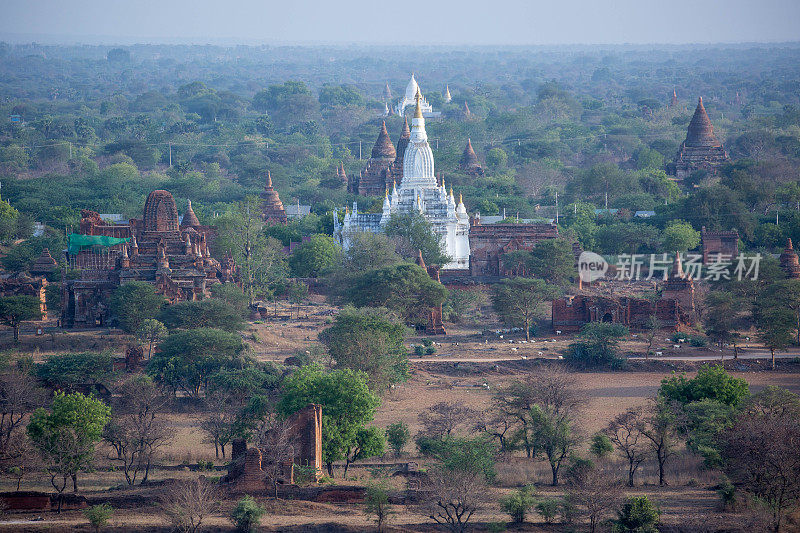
[[469, 160], [44, 264], [189, 218]]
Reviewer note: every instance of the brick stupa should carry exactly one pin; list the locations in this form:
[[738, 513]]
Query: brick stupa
[[376, 177], [789, 261], [701, 150], [272, 210], [469, 161]]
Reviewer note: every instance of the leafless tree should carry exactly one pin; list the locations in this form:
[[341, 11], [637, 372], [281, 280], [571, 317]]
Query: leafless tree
[[495, 423], [222, 412], [19, 397], [276, 440], [188, 503], [456, 496], [663, 424], [137, 428], [626, 432], [596, 495], [762, 451], [535, 177], [442, 419]]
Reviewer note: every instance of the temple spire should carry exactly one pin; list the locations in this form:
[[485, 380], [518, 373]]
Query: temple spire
[[383, 148], [418, 109], [701, 132]]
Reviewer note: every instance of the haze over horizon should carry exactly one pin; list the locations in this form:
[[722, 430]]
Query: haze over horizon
[[466, 22]]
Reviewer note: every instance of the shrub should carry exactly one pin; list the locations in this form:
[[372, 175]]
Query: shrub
[[247, 514], [188, 504], [518, 503], [419, 350], [377, 502], [638, 515], [548, 508], [430, 350], [727, 494], [98, 515]]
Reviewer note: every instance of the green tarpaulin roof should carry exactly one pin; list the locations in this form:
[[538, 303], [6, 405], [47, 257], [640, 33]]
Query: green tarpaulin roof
[[78, 242]]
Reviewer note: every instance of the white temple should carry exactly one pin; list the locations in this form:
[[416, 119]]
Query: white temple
[[410, 98], [418, 191]]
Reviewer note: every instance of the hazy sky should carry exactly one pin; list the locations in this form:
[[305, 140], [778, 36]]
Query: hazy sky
[[398, 21]]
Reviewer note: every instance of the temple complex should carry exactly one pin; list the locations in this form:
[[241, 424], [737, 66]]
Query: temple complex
[[701, 150], [174, 257], [469, 163], [272, 211], [489, 243], [420, 192]]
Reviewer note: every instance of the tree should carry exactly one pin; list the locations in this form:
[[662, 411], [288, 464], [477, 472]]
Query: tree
[[397, 436], [680, 236], [66, 436], [761, 453], [652, 326], [66, 371], [220, 423], [598, 346], [553, 261], [626, 432], [414, 234], [189, 358], [776, 329], [317, 256], [151, 332], [137, 429], [663, 424], [601, 445], [720, 317], [595, 494], [519, 301], [369, 442], [404, 288], [19, 397], [518, 503], [712, 382], [377, 502], [189, 503], [371, 340], [16, 309], [133, 303], [347, 405], [209, 313], [261, 260], [441, 419], [638, 515], [276, 439], [231, 294]]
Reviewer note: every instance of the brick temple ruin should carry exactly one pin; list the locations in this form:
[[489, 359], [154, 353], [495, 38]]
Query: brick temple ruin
[[719, 244], [674, 308], [248, 472], [173, 256], [489, 243]]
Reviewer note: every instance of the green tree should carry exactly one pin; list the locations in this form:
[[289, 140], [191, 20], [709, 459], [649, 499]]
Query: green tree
[[720, 318], [598, 345], [347, 405], [315, 257], [397, 436], [231, 294], [262, 263], [208, 313], [553, 261], [369, 442], [518, 503], [65, 371], [377, 502], [16, 309], [404, 288], [712, 382], [188, 359], [66, 436], [133, 303], [496, 159], [415, 234], [519, 301], [371, 340], [776, 329], [680, 236], [151, 332]]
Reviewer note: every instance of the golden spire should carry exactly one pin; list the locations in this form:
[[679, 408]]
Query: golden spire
[[418, 110], [460, 198]]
